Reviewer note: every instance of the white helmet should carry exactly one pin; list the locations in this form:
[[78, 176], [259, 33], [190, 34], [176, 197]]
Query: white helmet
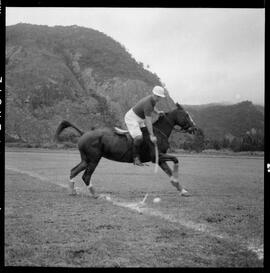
[[159, 91]]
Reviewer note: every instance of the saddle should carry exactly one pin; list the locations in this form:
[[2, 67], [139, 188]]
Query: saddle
[[119, 131], [130, 141], [124, 133]]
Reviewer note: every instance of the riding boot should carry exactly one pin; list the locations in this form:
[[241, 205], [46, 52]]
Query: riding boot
[[136, 152]]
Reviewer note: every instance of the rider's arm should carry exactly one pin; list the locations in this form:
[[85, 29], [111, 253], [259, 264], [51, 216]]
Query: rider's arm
[[156, 110]]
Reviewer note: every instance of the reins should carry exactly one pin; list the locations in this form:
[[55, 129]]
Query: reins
[[161, 132], [172, 126]]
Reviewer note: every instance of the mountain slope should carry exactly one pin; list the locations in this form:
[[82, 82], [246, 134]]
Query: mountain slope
[[74, 73], [86, 77], [220, 120]]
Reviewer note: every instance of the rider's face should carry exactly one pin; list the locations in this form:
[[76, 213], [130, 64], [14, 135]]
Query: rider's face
[[157, 98]]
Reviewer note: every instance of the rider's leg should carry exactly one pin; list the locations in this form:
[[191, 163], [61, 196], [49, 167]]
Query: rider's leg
[[134, 123], [136, 150]]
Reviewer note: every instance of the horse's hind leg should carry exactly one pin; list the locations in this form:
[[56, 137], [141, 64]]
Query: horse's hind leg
[[87, 176], [75, 171]]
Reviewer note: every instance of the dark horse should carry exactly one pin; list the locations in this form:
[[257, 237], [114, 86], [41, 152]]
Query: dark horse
[[113, 145]]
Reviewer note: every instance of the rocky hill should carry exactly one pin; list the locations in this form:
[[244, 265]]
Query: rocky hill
[[73, 73], [86, 77]]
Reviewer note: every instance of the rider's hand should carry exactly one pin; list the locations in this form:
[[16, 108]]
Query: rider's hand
[[153, 139]]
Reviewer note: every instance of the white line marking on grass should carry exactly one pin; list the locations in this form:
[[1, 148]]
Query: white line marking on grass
[[138, 206], [35, 175], [183, 222]]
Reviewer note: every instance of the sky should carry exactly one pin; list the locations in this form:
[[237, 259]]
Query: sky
[[201, 55]]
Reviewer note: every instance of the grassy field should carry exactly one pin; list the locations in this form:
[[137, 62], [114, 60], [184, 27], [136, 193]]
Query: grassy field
[[220, 225]]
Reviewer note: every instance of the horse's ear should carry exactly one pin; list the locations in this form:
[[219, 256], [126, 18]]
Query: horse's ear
[[178, 106]]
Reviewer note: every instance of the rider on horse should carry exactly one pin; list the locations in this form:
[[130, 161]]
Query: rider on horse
[[140, 116]]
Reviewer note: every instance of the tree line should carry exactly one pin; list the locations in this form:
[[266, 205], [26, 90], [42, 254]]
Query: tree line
[[245, 142]]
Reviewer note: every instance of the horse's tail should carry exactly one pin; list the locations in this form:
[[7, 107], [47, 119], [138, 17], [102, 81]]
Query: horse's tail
[[63, 125]]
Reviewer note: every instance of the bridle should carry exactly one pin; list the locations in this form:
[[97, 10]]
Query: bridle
[[172, 126]]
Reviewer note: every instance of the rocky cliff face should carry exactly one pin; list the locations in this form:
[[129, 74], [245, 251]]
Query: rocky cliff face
[[86, 77], [73, 73]]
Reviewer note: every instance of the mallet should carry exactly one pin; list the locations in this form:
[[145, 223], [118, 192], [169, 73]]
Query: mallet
[[156, 155]]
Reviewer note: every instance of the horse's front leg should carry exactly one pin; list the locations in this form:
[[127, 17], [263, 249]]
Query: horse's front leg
[[173, 174]]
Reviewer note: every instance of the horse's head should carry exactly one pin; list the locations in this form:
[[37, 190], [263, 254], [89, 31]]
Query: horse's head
[[183, 119]]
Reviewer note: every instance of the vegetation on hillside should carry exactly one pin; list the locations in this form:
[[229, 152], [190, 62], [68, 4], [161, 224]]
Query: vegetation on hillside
[[92, 48], [239, 127], [84, 76], [48, 79]]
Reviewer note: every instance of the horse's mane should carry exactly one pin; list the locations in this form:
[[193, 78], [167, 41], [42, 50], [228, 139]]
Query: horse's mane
[[160, 118], [178, 106]]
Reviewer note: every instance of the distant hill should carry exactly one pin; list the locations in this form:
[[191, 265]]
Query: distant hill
[[204, 106], [260, 108], [84, 76], [220, 120]]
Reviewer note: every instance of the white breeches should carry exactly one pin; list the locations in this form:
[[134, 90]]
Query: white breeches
[[134, 123]]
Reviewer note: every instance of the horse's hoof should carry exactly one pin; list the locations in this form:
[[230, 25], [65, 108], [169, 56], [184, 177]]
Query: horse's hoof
[[175, 183], [139, 164], [73, 193], [185, 193]]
